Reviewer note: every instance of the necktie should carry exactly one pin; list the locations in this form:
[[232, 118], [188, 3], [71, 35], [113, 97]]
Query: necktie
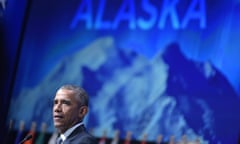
[[59, 140]]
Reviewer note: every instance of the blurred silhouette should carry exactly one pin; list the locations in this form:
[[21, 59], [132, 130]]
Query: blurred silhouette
[[20, 132], [9, 139], [103, 139], [159, 139], [40, 139], [144, 139], [31, 132], [116, 138], [128, 137]]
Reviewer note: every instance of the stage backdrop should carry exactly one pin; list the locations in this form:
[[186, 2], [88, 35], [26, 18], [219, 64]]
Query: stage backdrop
[[167, 67]]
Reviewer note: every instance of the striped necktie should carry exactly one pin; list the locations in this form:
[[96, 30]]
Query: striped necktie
[[59, 141]]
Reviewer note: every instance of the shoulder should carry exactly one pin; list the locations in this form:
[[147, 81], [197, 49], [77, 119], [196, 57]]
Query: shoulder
[[83, 138], [86, 138]]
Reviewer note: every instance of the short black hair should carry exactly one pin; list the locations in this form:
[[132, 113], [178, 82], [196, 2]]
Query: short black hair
[[80, 92]]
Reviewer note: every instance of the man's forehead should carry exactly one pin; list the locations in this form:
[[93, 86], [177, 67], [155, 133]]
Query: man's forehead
[[67, 94], [64, 91]]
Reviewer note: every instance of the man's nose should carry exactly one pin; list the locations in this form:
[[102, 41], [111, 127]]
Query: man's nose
[[57, 107]]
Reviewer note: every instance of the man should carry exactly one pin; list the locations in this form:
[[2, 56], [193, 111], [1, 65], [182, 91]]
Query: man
[[69, 110]]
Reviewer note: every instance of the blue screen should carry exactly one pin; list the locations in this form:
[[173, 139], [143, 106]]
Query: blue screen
[[152, 67]]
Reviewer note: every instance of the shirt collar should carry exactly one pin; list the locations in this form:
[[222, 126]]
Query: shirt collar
[[69, 131]]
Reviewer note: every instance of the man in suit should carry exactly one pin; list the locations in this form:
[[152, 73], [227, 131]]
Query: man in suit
[[69, 109]]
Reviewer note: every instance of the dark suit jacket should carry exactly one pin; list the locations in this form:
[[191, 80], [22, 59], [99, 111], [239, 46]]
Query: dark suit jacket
[[80, 136]]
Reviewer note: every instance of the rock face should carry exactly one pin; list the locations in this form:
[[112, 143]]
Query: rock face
[[169, 95]]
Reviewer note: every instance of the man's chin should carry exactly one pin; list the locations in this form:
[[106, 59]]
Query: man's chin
[[58, 126], [60, 129]]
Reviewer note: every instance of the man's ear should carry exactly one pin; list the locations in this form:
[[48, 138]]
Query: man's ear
[[83, 111]]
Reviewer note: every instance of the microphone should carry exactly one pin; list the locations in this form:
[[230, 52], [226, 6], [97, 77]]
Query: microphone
[[28, 137]]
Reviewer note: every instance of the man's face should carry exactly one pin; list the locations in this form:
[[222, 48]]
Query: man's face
[[66, 111]]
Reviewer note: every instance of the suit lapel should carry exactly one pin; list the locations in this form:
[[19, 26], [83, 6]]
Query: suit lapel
[[76, 133]]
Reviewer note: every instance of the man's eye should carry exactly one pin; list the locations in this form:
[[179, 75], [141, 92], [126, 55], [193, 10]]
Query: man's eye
[[66, 102]]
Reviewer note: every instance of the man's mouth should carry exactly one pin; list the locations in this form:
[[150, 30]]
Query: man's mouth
[[58, 116]]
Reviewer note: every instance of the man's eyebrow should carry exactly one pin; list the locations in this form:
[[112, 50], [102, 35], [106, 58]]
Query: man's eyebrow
[[67, 101], [62, 100]]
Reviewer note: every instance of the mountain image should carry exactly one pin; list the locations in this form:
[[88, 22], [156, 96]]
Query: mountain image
[[168, 94]]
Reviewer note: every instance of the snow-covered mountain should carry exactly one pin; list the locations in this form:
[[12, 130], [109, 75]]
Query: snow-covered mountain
[[168, 94]]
